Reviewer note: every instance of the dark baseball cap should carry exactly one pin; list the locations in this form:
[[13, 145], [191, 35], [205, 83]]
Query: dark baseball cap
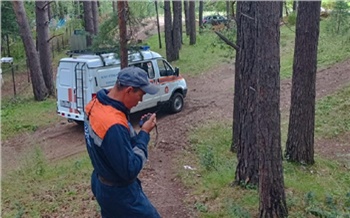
[[136, 77]]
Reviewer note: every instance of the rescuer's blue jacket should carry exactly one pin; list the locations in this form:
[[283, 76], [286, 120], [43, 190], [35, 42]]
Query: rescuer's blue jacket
[[117, 154]]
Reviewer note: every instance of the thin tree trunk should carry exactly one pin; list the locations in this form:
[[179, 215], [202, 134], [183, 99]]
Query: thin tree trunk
[[114, 6], [177, 23], [158, 28], [169, 47], [192, 18], [38, 84], [95, 15], [89, 24], [200, 16], [122, 13], [44, 47], [187, 21]]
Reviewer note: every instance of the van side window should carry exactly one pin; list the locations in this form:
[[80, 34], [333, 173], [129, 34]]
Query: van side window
[[164, 68], [148, 67]]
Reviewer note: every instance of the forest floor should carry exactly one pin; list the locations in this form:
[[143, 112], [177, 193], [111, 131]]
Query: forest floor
[[210, 97]]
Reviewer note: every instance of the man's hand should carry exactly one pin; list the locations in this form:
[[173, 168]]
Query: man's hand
[[150, 123]]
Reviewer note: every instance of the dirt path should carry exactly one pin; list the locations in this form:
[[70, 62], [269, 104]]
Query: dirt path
[[210, 97]]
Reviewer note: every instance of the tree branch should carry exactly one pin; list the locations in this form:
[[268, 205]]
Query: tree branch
[[46, 5], [226, 40], [54, 37]]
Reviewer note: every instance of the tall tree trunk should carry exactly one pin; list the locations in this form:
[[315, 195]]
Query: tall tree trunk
[[192, 18], [114, 6], [295, 5], [187, 21], [245, 116], [158, 28], [169, 47], [200, 16], [122, 15], [271, 182], [95, 16], [38, 84], [177, 24], [300, 141], [44, 48], [89, 24], [281, 9]]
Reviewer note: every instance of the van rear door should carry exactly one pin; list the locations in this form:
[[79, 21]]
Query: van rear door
[[72, 89]]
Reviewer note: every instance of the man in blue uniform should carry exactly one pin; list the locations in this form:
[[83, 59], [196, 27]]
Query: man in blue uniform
[[116, 151]]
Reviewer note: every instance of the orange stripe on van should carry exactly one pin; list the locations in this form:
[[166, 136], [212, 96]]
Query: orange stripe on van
[[70, 94], [167, 79]]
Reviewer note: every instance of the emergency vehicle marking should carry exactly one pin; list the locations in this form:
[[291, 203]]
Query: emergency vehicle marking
[[98, 75], [167, 79], [70, 94]]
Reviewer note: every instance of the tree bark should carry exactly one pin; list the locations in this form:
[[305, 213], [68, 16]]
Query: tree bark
[[300, 140], [200, 17], [158, 27], [122, 14], [271, 182], [44, 47], [192, 21], [95, 16], [245, 111], [177, 28], [187, 21], [169, 47], [114, 6], [38, 84], [89, 24]]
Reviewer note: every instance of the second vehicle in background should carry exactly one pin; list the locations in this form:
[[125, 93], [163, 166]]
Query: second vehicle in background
[[215, 20]]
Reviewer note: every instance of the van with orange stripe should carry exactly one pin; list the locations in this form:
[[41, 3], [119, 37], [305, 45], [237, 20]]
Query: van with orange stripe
[[81, 76]]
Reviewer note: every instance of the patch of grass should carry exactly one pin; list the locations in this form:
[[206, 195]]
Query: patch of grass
[[39, 189], [26, 115], [207, 53], [332, 114], [327, 180]]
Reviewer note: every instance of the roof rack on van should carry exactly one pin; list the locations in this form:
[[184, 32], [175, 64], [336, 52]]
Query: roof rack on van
[[106, 50], [101, 51]]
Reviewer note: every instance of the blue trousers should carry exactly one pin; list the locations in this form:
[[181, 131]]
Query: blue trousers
[[119, 202]]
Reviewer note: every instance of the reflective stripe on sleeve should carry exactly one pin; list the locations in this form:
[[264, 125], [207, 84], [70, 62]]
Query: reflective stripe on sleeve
[[140, 153]]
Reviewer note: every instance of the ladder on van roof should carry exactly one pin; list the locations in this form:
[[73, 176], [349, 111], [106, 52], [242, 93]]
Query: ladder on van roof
[[79, 86]]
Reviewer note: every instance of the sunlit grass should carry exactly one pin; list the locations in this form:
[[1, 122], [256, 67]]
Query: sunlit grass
[[26, 115], [307, 187], [41, 189], [332, 114]]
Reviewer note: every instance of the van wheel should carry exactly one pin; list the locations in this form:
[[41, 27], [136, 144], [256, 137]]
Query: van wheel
[[176, 102]]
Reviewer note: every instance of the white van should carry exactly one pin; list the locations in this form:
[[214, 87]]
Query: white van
[[80, 77]]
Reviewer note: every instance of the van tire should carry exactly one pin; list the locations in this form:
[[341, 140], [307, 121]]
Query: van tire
[[176, 102]]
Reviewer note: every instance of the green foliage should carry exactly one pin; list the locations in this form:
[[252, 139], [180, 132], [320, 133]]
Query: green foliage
[[108, 33], [142, 9], [318, 190], [213, 6], [339, 22], [292, 19], [23, 115], [201, 207], [9, 25], [39, 189], [332, 114]]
